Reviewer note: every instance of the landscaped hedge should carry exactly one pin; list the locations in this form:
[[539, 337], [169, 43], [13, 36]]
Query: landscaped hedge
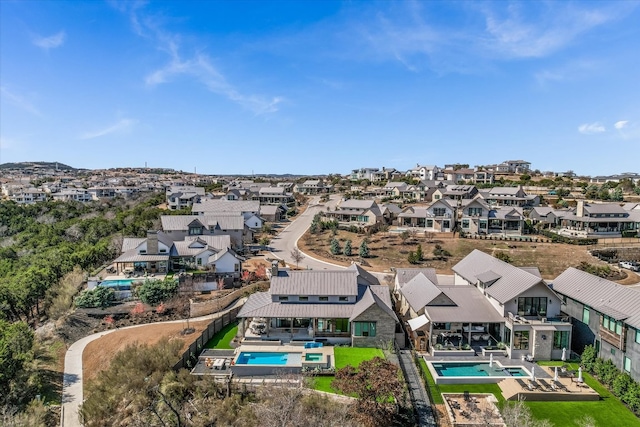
[[620, 383], [556, 238]]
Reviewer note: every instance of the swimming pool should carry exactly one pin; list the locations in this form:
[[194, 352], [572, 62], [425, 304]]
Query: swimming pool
[[474, 372], [263, 358], [313, 357], [120, 283]]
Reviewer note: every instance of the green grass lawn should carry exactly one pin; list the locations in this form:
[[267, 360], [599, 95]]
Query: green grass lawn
[[345, 356], [222, 340], [435, 390], [608, 411]]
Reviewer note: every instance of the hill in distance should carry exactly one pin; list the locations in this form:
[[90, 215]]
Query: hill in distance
[[37, 165]]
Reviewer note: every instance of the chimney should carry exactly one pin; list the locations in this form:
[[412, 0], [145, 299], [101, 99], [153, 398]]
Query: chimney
[[152, 242], [274, 268], [580, 208]]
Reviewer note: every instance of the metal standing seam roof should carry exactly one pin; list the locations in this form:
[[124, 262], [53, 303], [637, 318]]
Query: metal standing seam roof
[[404, 275], [178, 222], [513, 280], [597, 292], [419, 292], [186, 248], [311, 282], [220, 241], [226, 222], [364, 275], [221, 205], [133, 256], [370, 298], [129, 243], [471, 306]]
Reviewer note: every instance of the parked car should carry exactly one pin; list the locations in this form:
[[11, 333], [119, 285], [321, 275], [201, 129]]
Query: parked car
[[630, 265]]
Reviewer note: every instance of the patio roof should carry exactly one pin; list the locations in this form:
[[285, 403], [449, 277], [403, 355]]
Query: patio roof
[[471, 307]]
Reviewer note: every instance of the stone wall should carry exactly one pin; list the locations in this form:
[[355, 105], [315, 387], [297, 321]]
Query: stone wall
[[385, 328]]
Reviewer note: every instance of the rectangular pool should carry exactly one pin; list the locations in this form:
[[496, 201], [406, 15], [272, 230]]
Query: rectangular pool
[[475, 372], [263, 358], [313, 357]]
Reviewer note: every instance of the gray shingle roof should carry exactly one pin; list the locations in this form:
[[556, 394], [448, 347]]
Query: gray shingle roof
[[601, 294], [513, 280]]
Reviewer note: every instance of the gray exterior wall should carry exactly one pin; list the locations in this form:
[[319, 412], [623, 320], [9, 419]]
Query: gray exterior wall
[[583, 334], [385, 328]]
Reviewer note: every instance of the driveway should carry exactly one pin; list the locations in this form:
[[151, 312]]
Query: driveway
[[72, 391]]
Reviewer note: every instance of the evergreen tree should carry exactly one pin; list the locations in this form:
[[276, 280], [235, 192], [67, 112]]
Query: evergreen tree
[[364, 249], [347, 248], [419, 253], [335, 247]]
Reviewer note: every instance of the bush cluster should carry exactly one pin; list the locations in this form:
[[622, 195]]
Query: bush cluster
[[620, 383]]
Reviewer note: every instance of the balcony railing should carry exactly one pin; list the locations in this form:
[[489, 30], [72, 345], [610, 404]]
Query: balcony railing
[[612, 338]]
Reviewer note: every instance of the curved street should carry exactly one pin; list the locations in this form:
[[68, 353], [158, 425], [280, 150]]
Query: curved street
[[283, 243]]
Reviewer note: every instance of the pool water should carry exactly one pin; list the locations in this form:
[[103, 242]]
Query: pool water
[[313, 357], [476, 369], [120, 282], [262, 358]]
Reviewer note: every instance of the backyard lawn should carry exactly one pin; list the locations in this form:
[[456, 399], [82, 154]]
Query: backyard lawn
[[345, 356], [222, 340], [608, 411]]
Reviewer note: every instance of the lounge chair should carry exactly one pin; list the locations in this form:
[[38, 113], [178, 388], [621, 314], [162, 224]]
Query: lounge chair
[[545, 385], [557, 385], [525, 385]]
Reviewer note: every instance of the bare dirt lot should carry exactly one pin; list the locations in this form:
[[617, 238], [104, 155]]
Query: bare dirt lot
[[99, 353], [387, 250]]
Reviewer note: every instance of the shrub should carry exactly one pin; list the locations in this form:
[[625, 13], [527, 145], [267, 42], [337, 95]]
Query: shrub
[[98, 297], [154, 292], [335, 246], [347, 248], [588, 358]]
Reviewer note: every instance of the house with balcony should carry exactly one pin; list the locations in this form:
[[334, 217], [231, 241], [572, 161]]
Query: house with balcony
[[359, 213], [605, 315], [339, 307], [455, 192], [274, 196], [438, 216], [183, 197], [424, 172], [159, 253], [509, 196], [473, 215], [312, 186], [491, 301], [178, 227], [364, 173], [599, 220]]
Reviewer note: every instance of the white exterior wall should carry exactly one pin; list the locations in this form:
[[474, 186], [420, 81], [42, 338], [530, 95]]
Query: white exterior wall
[[227, 263]]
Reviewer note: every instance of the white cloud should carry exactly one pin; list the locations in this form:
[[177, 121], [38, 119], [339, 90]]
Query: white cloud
[[50, 42], [19, 101], [621, 124], [591, 128], [197, 65], [122, 125]]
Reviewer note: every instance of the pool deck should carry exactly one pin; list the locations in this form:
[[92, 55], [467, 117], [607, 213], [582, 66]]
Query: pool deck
[[567, 389]]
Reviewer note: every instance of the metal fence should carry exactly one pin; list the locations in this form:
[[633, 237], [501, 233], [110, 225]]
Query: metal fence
[[190, 356]]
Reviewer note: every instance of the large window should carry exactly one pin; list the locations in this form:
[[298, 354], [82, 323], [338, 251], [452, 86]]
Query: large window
[[475, 211], [364, 329], [627, 364], [532, 306], [585, 315], [560, 339], [342, 325], [507, 336], [465, 223], [611, 324], [429, 223], [521, 340], [638, 336], [439, 211]]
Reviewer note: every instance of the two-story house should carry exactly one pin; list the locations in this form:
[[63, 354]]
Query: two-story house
[[605, 315], [490, 301], [599, 220], [341, 307], [438, 216], [361, 213], [509, 196]]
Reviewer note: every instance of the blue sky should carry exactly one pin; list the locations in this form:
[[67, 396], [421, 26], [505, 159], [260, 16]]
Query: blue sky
[[313, 87]]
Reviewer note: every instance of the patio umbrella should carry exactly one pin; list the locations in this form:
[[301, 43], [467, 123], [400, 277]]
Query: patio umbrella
[[555, 376], [579, 374], [491, 360], [533, 373], [564, 354]]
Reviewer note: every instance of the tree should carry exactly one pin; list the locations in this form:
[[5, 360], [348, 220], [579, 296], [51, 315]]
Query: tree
[[16, 342], [440, 253], [412, 258], [364, 249], [98, 297], [503, 256], [296, 255], [519, 415], [154, 291], [377, 386], [404, 236], [347, 248], [264, 241], [335, 246], [419, 255]]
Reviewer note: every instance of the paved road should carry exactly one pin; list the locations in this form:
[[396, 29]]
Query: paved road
[[419, 395], [72, 392], [286, 240]]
